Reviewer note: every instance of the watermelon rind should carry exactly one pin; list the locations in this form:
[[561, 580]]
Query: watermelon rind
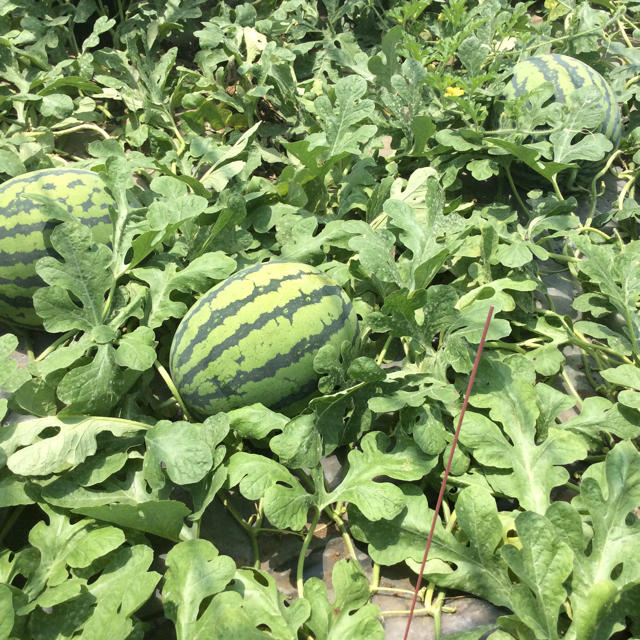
[[253, 337], [567, 74], [25, 230]]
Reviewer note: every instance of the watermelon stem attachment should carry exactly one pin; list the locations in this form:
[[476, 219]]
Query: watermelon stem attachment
[[303, 551], [164, 374]]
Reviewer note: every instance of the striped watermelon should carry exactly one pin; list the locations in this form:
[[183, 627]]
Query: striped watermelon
[[567, 74], [252, 338], [25, 230]]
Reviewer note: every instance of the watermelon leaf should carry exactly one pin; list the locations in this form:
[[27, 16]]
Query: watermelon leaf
[[181, 449], [195, 572], [542, 565], [61, 545], [474, 552], [340, 134], [29, 453], [609, 493], [286, 503], [299, 446], [615, 274], [137, 350], [584, 113], [7, 612], [94, 388], [164, 278], [520, 467], [12, 376], [350, 615], [81, 275], [379, 500], [267, 606]]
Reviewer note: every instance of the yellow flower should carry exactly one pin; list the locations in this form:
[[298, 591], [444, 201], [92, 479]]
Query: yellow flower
[[453, 92]]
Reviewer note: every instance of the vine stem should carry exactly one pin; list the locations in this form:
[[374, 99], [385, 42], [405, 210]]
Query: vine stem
[[303, 552], [624, 35], [375, 580], [257, 527], [594, 230], [514, 190], [437, 614], [334, 514], [393, 590], [348, 543], [625, 189], [164, 374], [632, 335], [79, 127], [383, 353], [65, 337], [593, 187], [556, 188], [29, 347], [571, 388]]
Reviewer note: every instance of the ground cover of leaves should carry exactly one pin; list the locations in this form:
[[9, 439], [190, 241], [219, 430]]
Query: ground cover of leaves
[[364, 137]]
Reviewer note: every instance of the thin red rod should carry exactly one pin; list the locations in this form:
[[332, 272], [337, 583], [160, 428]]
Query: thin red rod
[[446, 471]]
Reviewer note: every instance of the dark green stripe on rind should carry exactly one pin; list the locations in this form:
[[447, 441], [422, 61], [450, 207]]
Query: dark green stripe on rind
[[278, 370], [611, 126], [18, 310], [568, 74], [25, 229], [260, 345], [212, 316], [286, 311], [29, 282]]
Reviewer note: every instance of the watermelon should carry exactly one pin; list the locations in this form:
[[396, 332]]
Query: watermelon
[[25, 230], [253, 337], [567, 74]]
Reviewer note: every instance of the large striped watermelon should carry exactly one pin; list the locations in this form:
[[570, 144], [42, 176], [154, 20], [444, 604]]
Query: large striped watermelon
[[567, 74], [252, 338], [25, 230]]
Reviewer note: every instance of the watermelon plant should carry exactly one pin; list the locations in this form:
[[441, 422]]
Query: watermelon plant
[[242, 309]]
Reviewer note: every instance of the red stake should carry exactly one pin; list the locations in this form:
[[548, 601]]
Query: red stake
[[446, 471]]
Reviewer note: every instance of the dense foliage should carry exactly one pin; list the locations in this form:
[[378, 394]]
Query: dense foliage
[[362, 137]]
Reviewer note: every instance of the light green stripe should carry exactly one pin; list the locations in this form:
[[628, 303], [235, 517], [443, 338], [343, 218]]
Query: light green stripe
[[277, 337], [254, 308]]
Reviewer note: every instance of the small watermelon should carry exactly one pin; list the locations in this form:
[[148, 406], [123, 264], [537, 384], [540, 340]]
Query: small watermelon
[[25, 230], [567, 75], [252, 338]]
